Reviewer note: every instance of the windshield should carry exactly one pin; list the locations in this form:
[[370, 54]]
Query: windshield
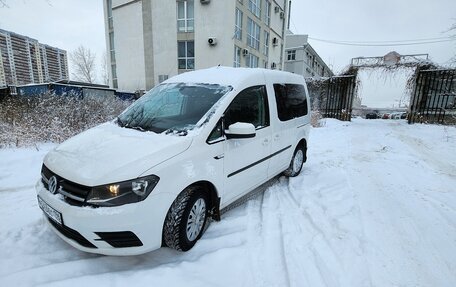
[[172, 107]]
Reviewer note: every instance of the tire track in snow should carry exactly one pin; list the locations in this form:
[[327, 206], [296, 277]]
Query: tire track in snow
[[326, 267], [265, 245], [282, 236], [423, 152]]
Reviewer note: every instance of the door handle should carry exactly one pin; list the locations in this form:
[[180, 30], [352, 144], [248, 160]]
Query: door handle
[[220, 156], [265, 142], [276, 137]]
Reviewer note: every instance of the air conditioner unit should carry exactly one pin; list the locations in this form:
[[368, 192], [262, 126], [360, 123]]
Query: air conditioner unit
[[282, 15], [273, 65], [277, 9], [212, 41], [275, 41], [245, 52], [205, 1]]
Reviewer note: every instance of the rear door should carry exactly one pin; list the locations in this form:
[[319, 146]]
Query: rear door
[[292, 110], [246, 161]]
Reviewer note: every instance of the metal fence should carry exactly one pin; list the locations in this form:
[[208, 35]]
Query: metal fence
[[333, 97], [434, 97]]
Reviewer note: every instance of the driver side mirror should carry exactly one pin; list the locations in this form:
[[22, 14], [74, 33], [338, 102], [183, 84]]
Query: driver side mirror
[[240, 131]]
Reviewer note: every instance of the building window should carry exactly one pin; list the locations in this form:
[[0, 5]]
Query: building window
[[255, 7], [267, 13], [253, 34], [186, 55], [252, 61], [185, 16], [237, 57], [238, 25], [291, 55], [266, 43], [162, 78]]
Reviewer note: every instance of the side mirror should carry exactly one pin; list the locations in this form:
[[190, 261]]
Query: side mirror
[[240, 131]]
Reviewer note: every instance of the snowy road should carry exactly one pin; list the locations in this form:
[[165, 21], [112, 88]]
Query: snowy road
[[374, 206]]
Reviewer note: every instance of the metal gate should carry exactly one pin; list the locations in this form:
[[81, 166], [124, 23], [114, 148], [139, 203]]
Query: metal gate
[[434, 97], [333, 97]]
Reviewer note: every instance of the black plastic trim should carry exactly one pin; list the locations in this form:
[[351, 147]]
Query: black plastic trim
[[120, 239], [71, 234], [259, 161], [239, 136]]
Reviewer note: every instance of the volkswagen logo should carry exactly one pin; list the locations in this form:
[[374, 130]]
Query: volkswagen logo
[[52, 184]]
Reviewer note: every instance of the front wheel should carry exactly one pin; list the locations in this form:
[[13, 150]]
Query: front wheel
[[296, 163], [186, 219]]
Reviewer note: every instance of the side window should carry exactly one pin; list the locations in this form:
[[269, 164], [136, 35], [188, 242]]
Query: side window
[[291, 101], [249, 106], [216, 132]]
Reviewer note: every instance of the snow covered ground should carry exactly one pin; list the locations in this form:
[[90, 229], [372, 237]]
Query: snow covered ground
[[374, 206]]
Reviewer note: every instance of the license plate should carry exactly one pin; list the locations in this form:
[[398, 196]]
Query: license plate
[[49, 211]]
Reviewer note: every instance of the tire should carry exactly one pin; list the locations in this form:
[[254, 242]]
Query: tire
[[298, 159], [187, 204]]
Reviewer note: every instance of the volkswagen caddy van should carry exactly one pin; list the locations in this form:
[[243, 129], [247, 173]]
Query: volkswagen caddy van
[[170, 162]]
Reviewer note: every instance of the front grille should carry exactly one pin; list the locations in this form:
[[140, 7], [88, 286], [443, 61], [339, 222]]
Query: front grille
[[120, 239], [73, 193], [72, 234]]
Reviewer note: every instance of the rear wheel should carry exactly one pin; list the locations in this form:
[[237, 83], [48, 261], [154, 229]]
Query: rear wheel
[[186, 219], [296, 162]]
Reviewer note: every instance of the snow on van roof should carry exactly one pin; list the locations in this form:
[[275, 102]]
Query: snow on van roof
[[227, 76]]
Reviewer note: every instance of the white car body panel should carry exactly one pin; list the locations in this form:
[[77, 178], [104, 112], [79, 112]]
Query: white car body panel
[[108, 154], [115, 154]]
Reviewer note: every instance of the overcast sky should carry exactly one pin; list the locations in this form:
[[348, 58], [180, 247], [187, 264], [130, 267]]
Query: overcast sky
[[67, 24]]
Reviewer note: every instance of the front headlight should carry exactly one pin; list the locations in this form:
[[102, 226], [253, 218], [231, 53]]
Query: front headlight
[[123, 192]]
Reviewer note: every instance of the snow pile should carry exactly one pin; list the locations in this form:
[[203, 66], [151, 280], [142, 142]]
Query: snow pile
[[375, 205]]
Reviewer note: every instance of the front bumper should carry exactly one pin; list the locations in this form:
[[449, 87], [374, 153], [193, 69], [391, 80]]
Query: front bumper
[[107, 230]]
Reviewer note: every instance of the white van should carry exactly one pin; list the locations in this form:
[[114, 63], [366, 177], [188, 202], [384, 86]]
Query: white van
[[188, 148]]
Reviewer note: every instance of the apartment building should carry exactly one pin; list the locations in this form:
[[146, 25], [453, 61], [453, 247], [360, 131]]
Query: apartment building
[[301, 58], [24, 60], [151, 40]]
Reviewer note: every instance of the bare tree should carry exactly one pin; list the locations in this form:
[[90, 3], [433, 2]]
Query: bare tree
[[4, 4], [453, 31], [83, 60], [104, 69]]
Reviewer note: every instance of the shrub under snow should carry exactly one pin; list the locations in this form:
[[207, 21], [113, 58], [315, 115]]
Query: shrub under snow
[[25, 121]]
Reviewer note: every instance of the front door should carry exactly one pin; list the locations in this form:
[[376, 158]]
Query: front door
[[246, 161]]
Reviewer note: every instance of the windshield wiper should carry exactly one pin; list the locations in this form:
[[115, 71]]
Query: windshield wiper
[[179, 132], [123, 125], [138, 128]]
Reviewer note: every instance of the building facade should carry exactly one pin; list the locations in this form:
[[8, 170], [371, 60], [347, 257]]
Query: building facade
[[301, 58], [24, 60], [151, 40]]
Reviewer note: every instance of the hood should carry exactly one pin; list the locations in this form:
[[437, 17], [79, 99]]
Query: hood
[[109, 153]]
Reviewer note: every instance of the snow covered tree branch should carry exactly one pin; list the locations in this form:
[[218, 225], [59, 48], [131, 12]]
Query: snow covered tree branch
[[83, 61]]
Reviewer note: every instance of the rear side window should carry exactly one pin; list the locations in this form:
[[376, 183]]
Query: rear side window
[[291, 101]]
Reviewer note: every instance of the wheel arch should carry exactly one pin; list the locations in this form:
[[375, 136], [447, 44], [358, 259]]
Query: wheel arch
[[303, 143], [213, 196]]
